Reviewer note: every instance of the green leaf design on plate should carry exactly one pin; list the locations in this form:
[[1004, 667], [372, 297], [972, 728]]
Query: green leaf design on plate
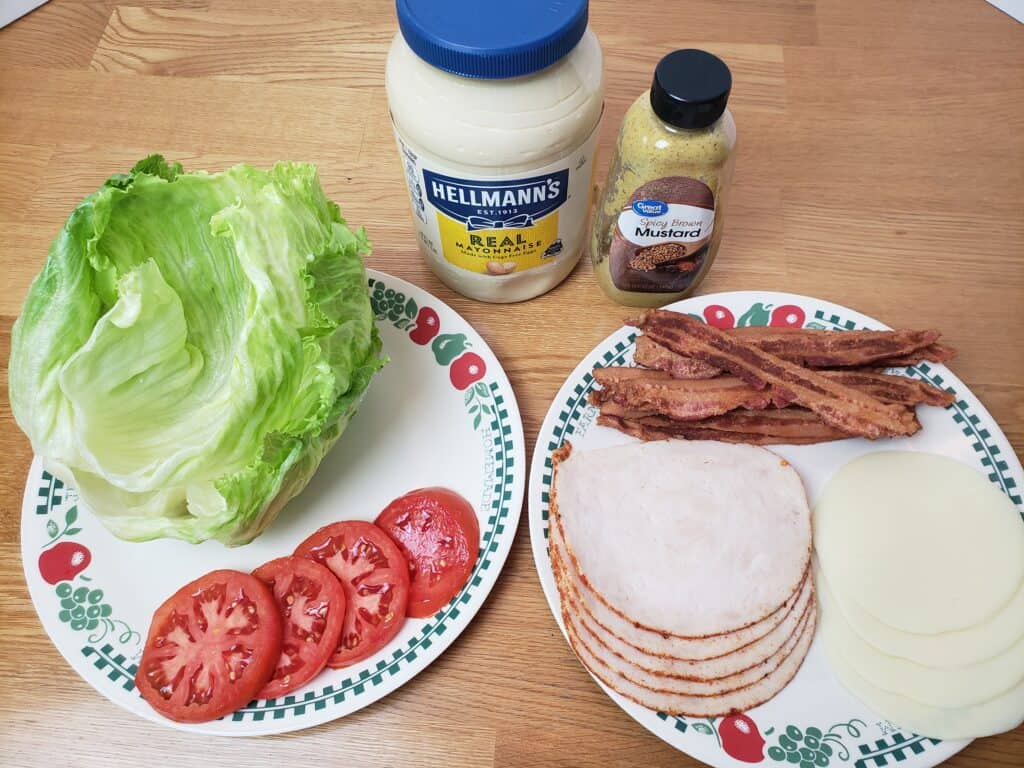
[[51, 528], [468, 396], [757, 315], [71, 515], [410, 308], [481, 389], [476, 421], [702, 728], [72, 531]]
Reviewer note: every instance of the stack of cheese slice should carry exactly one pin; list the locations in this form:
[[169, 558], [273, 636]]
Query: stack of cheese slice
[[683, 571], [922, 587]]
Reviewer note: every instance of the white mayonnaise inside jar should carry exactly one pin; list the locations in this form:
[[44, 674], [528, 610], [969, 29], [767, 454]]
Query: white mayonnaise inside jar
[[497, 143]]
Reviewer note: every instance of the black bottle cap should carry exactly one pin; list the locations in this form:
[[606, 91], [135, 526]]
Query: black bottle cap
[[690, 89]]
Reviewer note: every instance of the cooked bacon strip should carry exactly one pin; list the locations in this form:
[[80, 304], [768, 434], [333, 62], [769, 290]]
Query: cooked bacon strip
[[653, 355], [784, 422], [840, 406], [678, 398], [645, 432], [791, 422], [794, 422], [933, 353], [611, 408], [658, 393], [892, 389], [828, 349]]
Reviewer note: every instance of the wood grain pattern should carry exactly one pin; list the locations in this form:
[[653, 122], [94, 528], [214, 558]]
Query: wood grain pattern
[[881, 165]]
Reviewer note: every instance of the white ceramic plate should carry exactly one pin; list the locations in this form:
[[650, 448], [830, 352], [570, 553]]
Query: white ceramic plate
[[814, 712], [422, 423]]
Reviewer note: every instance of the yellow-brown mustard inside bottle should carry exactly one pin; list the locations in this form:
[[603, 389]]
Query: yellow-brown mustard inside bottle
[[660, 218]]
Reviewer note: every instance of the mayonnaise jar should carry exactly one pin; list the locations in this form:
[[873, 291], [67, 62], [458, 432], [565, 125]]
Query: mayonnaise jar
[[495, 108]]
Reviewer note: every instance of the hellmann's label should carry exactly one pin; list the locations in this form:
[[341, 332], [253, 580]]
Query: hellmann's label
[[500, 224]]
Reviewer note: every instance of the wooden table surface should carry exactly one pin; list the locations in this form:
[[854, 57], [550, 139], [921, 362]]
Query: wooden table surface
[[881, 166]]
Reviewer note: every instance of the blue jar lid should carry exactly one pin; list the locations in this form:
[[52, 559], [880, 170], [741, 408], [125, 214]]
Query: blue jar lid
[[492, 39]]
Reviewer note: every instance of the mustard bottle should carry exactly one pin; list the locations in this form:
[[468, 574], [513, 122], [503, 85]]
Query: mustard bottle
[[660, 218]]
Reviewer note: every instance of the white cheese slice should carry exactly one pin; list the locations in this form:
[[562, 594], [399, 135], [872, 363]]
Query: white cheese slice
[[942, 686], [1002, 713], [965, 646], [922, 542]]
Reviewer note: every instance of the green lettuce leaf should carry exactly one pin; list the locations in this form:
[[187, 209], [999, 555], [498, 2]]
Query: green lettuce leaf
[[193, 346]]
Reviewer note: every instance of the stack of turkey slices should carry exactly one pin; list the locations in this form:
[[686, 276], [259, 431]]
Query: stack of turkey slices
[[683, 571], [922, 593]]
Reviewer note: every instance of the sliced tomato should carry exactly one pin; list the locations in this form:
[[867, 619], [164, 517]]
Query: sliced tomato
[[375, 577], [312, 605], [211, 647], [438, 533]]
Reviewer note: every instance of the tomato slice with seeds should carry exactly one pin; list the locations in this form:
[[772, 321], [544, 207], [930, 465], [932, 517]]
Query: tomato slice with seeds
[[374, 575], [312, 606], [439, 534], [211, 647]]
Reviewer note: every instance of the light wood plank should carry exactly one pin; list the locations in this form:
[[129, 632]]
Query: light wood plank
[[289, 46], [57, 35]]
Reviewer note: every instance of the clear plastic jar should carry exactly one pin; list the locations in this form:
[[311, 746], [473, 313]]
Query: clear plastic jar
[[495, 108], [661, 215]]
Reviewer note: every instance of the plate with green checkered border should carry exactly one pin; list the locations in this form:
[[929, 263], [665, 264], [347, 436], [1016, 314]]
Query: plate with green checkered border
[[441, 413], [814, 722]]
